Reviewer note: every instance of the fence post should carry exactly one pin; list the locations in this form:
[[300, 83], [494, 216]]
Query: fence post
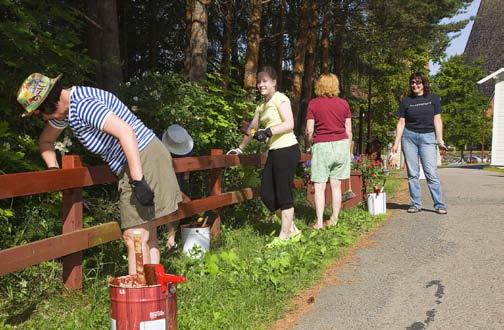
[[216, 189], [72, 220]]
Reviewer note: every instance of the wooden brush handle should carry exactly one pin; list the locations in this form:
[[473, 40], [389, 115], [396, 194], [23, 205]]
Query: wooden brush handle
[[137, 239]]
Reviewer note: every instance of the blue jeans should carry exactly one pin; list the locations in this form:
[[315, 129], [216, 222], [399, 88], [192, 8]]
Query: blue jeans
[[422, 146]]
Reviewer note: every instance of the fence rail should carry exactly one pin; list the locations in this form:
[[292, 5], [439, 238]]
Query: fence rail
[[74, 238]]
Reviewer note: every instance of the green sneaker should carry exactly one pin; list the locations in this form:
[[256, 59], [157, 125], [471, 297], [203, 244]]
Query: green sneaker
[[296, 237], [277, 242]]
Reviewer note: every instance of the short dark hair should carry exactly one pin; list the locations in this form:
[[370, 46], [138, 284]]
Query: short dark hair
[[51, 101], [425, 83], [269, 70]]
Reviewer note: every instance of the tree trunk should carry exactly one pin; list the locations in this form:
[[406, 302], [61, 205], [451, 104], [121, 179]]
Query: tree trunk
[[309, 67], [124, 39], [153, 35], [199, 40], [369, 111], [280, 43], [111, 57], [228, 8], [324, 61], [94, 37], [361, 129], [253, 41], [338, 54], [188, 22], [299, 57], [340, 19]]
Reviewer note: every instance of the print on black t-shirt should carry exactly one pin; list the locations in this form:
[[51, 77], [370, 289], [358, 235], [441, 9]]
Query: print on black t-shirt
[[419, 112]]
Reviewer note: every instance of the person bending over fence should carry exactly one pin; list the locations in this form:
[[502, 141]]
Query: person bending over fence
[[147, 185], [275, 114]]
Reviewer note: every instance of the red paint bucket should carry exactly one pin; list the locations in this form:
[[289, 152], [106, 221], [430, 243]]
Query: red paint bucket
[[142, 307]]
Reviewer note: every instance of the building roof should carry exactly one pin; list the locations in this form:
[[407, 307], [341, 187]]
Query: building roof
[[491, 76], [486, 40]]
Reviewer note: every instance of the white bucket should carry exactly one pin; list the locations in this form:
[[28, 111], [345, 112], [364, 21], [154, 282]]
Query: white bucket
[[377, 204], [195, 237]]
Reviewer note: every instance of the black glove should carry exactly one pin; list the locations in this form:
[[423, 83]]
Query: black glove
[[262, 134], [143, 192]]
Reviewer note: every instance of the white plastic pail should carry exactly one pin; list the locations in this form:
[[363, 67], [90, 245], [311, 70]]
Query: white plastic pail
[[199, 237], [377, 204]]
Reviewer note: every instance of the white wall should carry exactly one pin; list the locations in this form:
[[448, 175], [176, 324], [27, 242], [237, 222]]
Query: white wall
[[498, 123]]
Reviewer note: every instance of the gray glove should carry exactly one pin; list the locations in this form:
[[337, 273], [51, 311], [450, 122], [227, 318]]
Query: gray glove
[[236, 151]]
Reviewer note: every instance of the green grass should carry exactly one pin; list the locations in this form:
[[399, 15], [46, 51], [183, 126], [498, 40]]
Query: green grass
[[494, 169], [393, 182], [240, 284]]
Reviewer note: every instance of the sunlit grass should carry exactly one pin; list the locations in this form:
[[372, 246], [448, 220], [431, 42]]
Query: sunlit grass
[[239, 284], [494, 169]]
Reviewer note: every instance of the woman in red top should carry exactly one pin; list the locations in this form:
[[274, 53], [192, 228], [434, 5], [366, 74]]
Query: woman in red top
[[329, 128]]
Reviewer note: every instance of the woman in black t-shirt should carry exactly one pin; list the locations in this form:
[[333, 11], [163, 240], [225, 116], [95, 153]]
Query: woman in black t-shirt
[[420, 130]]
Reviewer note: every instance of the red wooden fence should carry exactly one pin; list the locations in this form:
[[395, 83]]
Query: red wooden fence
[[74, 176]]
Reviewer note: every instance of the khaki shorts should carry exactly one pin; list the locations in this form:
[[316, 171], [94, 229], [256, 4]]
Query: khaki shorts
[[158, 171], [330, 160]]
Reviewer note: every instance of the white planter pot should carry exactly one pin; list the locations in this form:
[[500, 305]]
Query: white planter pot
[[377, 204]]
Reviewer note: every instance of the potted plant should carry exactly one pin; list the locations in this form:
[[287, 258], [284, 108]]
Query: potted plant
[[374, 177]]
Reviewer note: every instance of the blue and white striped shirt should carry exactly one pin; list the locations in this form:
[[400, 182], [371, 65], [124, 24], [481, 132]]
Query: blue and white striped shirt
[[89, 109]]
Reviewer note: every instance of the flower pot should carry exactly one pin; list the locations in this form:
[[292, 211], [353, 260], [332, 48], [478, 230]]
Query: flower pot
[[377, 204]]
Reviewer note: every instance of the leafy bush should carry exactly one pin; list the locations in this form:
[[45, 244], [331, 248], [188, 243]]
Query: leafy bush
[[210, 113]]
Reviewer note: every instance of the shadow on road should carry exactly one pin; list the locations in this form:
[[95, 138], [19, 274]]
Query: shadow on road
[[427, 210], [396, 206]]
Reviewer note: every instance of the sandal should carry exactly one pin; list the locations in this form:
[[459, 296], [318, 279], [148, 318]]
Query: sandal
[[441, 210], [331, 222], [316, 227], [172, 248], [414, 209]]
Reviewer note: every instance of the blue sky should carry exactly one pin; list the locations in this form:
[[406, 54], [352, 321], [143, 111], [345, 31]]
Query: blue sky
[[457, 45]]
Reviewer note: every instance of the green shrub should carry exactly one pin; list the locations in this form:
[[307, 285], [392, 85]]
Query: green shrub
[[210, 113]]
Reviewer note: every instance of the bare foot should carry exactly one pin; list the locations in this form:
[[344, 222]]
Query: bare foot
[[317, 226], [330, 223]]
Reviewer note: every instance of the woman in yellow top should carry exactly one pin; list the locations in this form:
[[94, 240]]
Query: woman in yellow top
[[275, 115]]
